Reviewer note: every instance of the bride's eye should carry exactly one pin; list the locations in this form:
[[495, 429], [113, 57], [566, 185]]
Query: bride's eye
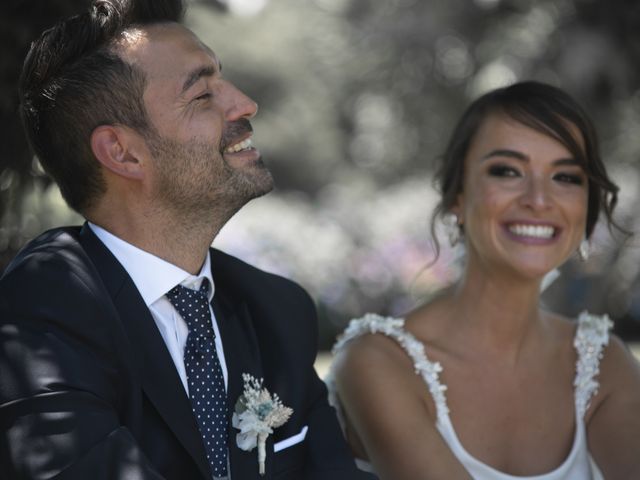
[[503, 171], [571, 178]]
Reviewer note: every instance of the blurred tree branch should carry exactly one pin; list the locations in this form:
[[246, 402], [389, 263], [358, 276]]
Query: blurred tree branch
[[21, 22]]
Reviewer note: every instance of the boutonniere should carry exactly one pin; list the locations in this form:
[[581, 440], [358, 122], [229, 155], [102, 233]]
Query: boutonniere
[[256, 414]]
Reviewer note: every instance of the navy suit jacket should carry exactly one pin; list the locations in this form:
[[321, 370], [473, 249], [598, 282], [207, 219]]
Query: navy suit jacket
[[88, 389]]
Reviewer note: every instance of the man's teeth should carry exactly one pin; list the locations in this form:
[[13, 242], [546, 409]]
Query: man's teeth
[[243, 145], [538, 231]]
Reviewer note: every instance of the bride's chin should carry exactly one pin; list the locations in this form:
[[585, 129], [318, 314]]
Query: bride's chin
[[537, 268]]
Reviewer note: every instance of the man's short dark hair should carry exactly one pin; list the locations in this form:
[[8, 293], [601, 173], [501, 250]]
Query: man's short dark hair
[[74, 80]]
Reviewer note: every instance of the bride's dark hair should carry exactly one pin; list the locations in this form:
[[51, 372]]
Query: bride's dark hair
[[542, 107]]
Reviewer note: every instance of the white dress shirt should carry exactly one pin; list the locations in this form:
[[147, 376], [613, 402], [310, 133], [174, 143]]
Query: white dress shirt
[[154, 277]]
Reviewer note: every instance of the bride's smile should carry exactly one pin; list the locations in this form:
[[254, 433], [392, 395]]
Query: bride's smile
[[524, 199]]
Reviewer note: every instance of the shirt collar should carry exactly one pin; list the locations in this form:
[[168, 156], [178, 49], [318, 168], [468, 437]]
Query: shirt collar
[[152, 276]]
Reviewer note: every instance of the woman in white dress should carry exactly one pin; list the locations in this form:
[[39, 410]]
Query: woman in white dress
[[481, 382]]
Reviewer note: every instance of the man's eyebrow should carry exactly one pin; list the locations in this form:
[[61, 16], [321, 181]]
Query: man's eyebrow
[[505, 152], [195, 75]]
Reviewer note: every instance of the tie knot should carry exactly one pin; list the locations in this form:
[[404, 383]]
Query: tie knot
[[193, 307], [204, 288]]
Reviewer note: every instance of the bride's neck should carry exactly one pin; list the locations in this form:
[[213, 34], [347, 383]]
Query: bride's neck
[[497, 312]]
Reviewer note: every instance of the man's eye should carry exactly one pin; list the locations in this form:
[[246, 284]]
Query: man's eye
[[204, 96], [503, 171], [569, 178]]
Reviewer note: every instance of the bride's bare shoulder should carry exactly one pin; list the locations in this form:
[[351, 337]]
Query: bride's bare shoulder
[[385, 354], [371, 353]]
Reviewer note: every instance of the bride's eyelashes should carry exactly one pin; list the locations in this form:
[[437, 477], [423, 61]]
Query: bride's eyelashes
[[507, 171], [570, 178], [501, 170]]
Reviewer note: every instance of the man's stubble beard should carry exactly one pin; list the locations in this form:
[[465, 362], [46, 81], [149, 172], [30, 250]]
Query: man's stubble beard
[[195, 181]]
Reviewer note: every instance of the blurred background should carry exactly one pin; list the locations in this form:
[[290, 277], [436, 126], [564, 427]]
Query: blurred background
[[357, 99]]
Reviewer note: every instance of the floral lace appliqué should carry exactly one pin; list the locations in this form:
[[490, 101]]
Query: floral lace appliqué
[[394, 328], [591, 337]]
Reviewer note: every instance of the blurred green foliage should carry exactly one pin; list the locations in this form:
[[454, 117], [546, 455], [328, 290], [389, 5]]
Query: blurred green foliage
[[357, 99]]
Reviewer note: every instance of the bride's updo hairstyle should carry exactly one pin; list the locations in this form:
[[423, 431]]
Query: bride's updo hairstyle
[[546, 109]]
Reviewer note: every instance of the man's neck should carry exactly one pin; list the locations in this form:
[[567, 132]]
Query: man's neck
[[181, 243]]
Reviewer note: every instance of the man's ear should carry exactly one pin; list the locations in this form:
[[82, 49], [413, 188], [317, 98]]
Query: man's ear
[[119, 150]]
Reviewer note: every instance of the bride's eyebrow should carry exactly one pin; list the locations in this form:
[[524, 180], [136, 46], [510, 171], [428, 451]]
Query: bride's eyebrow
[[505, 152]]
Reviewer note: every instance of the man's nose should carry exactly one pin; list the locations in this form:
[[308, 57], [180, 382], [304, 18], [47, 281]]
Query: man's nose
[[238, 104]]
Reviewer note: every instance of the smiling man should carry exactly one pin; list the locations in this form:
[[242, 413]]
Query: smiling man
[[126, 344]]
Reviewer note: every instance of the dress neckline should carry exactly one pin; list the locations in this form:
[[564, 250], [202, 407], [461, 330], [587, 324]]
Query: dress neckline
[[446, 428], [589, 340]]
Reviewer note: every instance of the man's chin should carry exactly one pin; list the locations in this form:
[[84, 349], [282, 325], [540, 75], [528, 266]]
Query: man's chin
[[255, 180], [264, 183]]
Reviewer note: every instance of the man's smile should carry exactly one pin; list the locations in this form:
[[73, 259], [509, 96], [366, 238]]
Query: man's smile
[[245, 144]]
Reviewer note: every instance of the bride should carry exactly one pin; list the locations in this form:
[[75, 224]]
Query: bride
[[481, 382]]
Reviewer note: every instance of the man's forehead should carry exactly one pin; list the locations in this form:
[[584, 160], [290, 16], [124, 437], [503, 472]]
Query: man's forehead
[[153, 44]]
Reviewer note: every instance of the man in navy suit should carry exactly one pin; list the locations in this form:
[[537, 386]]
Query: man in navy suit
[[130, 114]]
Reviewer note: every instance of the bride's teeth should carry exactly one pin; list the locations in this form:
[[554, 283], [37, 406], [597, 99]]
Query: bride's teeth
[[538, 231], [243, 145]]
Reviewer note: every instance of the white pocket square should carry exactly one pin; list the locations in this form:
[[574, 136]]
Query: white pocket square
[[289, 442]]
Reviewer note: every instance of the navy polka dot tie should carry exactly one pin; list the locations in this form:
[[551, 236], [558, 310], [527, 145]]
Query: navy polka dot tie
[[204, 374]]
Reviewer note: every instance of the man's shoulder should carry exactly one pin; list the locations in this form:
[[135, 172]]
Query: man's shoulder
[[220, 258], [50, 257], [254, 284], [50, 245], [230, 266], [52, 282]]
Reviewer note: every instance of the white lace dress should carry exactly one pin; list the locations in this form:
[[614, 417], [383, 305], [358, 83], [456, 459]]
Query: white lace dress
[[592, 335]]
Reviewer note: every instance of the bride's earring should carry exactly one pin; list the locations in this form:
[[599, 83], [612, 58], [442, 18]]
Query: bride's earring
[[450, 221], [584, 250]]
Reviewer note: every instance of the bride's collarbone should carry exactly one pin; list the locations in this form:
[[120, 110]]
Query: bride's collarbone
[[498, 416], [498, 407], [520, 440]]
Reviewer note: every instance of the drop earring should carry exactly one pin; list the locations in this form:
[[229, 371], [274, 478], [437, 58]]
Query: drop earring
[[584, 250], [450, 221]]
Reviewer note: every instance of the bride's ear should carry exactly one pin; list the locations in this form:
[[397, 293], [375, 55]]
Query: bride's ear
[[457, 208]]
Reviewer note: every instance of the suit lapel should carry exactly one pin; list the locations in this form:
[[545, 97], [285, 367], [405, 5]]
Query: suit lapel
[[158, 374], [242, 355]]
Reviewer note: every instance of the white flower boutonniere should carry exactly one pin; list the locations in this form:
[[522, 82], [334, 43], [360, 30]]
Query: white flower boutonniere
[[256, 414]]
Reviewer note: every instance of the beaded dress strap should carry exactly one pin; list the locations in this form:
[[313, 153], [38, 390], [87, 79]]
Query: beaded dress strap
[[592, 335], [394, 328]]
